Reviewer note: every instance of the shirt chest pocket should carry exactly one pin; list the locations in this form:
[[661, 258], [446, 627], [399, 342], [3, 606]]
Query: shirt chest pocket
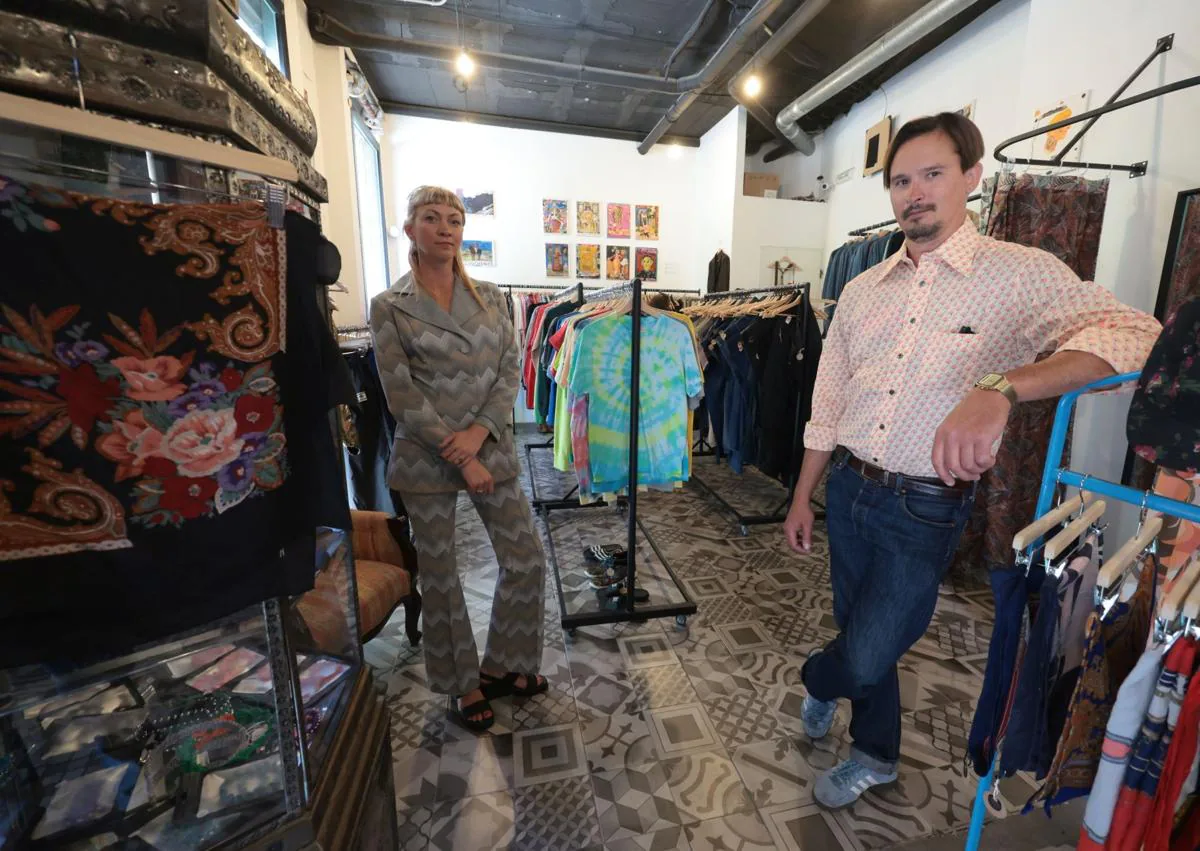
[[954, 362]]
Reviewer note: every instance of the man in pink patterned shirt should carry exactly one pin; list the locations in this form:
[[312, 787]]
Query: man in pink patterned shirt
[[925, 357]]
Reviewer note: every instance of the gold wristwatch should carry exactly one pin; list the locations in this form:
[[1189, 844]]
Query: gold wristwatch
[[997, 382]]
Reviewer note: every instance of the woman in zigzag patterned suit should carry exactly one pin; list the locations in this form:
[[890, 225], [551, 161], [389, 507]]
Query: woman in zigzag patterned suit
[[447, 358]]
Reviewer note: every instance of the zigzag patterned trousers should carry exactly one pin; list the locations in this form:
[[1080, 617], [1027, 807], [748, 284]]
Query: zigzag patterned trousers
[[514, 640]]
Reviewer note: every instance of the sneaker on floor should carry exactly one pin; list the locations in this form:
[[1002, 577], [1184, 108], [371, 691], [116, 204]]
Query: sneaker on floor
[[844, 784], [817, 716]]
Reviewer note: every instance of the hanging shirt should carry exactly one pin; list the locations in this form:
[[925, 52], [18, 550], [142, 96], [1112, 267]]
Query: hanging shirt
[[669, 375], [894, 364]]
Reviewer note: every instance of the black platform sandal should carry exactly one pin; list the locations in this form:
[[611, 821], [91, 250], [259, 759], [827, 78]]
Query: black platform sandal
[[462, 714], [495, 687]]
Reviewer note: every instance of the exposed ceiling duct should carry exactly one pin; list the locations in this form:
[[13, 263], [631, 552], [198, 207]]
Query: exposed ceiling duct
[[776, 44], [755, 19], [918, 25]]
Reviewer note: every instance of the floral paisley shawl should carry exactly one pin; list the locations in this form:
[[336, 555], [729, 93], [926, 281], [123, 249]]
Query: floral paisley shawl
[[137, 384]]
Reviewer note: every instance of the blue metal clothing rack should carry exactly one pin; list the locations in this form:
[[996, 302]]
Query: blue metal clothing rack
[[1056, 474]]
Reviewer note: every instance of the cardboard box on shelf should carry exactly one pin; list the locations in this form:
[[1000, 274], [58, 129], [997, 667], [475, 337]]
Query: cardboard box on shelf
[[757, 183]]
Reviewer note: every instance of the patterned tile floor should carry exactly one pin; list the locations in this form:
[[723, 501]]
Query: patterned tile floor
[[656, 737]]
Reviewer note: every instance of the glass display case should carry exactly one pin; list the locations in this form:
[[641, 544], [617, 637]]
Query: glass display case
[[214, 737]]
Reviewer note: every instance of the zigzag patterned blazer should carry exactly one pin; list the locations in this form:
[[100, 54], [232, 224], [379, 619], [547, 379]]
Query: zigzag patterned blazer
[[441, 373]]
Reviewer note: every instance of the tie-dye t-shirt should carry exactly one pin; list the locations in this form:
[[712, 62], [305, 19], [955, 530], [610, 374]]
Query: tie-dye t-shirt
[[600, 369]]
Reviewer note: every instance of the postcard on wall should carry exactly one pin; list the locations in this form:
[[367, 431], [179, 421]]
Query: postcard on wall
[[587, 260], [587, 217], [479, 252], [554, 216], [1049, 144], [647, 222], [478, 204], [558, 260], [618, 262], [647, 264], [875, 148], [618, 221]]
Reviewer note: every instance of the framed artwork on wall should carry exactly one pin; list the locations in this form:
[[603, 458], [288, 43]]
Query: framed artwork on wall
[[479, 252], [1047, 145], [554, 216], [647, 222], [618, 262], [618, 221], [587, 217], [558, 260], [587, 260], [479, 203], [647, 264], [878, 138]]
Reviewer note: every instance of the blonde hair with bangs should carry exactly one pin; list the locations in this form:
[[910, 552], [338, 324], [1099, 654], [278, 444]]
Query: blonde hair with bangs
[[424, 196]]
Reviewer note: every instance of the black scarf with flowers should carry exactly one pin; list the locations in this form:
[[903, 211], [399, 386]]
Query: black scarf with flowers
[[143, 448]]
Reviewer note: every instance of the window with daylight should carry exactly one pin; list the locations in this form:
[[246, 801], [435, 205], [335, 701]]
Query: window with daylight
[[263, 21], [368, 177]]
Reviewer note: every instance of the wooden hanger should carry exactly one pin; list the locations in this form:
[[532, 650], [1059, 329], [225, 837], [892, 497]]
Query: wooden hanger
[[1118, 565], [128, 134], [1059, 543], [1176, 600], [1191, 607], [1023, 539]]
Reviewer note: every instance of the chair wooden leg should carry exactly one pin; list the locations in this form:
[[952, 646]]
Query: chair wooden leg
[[412, 611]]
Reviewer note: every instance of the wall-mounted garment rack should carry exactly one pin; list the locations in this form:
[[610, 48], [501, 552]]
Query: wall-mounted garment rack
[[779, 513], [625, 605], [1137, 169], [1053, 476], [866, 229]]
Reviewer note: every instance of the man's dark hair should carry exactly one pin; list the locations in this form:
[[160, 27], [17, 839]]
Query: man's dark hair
[[967, 139]]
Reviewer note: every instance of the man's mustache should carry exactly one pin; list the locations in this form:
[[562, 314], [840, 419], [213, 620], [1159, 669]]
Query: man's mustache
[[912, 211]]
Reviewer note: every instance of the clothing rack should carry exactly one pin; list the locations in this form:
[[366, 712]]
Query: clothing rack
[[863, 231], [626, 599], [779, 513], [1053, 476], [1137, 169]]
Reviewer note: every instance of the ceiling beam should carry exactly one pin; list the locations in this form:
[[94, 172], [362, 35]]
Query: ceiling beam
[[397, 108]]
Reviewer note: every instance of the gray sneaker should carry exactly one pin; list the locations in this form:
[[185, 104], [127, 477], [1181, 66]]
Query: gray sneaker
[[845, 783], [817, 716]]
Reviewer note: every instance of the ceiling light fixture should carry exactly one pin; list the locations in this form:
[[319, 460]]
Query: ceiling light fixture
[[674, 151], [753, 86], [464, 64]]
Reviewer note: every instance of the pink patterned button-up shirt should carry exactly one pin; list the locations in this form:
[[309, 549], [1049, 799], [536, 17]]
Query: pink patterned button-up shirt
[[895, 364]]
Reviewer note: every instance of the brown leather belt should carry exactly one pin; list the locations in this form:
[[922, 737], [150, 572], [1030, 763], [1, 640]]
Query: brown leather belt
[[916, 484]]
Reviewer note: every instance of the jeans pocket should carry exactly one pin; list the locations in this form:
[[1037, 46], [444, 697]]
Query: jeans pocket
[[931, 510]]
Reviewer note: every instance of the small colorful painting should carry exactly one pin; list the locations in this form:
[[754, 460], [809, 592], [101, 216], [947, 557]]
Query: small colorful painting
[[647, 264], [479, 252], [558, 260], [647, 222], [554, 216], [618, 221], [587, 260], [480, 204], [618, 262], [587, 217]]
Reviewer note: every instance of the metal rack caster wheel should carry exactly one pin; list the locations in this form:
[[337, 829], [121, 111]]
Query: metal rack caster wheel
[[681, 620], [994, 804], [571, 633], [744, 530]]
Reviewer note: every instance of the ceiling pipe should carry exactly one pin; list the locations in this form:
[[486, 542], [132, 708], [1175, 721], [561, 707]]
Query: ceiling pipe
[[904, 35], [755, 19], [775, 45], [688, 36], [329, 30]]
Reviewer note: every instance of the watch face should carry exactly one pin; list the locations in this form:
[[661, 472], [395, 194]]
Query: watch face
[[991, 380]]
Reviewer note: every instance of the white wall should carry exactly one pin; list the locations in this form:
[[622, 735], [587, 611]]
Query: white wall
[[766, 229], [718, 182], [1022, 54], [319, 72], [522, 167]]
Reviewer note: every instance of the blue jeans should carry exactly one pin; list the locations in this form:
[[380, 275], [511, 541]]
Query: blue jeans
[[889, 549]]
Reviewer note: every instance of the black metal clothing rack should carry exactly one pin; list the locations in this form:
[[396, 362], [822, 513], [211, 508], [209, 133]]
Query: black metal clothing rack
[[626, 606], [1137, 169], [779, 514]]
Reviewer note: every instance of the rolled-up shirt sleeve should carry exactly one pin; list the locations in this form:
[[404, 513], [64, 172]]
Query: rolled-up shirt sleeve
[[830, 391], [1082, 316]]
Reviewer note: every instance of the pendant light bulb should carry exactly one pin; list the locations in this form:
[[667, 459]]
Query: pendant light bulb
[[753, 86], [464, 64]]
